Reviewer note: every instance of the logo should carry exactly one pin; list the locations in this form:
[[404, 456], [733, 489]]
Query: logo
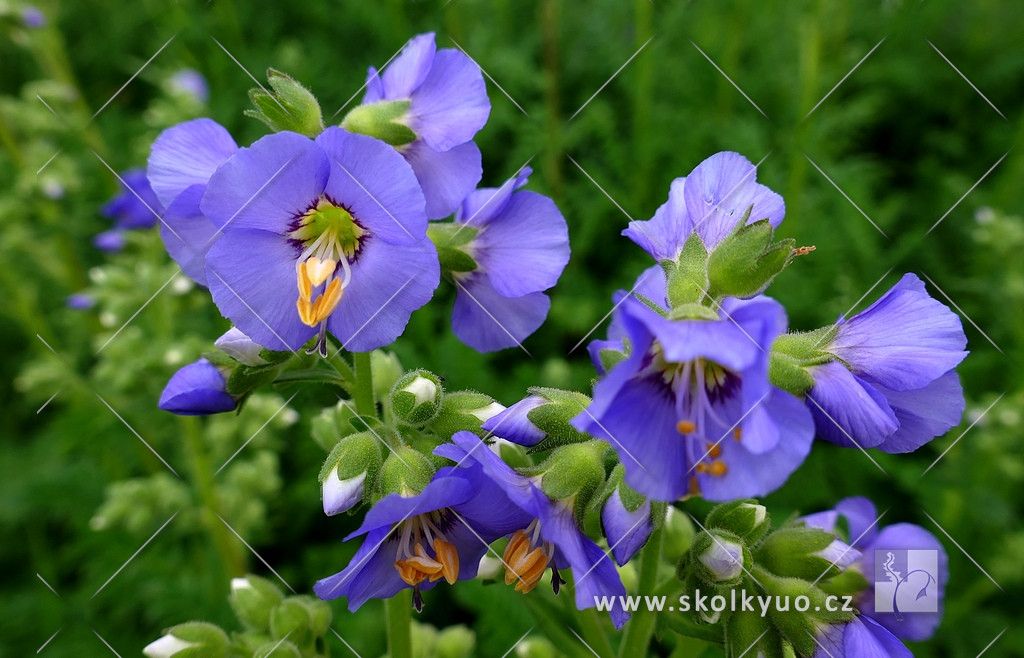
[[906, 581]]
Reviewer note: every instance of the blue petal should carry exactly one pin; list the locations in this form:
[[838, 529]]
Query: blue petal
[[924, 413], [374, 183], [486, 203], [444, 490], [110, 241], [487, 321], [664, 235], [136, 207], [388, 283], [410, 68], [861, 520], [625, 531], [847, 410], [719, 192], [904, 340], [268, 185], [526, 247], [370, 574], [865, 639], [451, 105], [197, 389], [185, 155], [513, 425], [188, 234], [446, 177]]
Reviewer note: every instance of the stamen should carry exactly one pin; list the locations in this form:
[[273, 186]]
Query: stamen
[[523, 564], [717, 468], [714, 450], [694, 486], [448, 557], [318, 270], [737, 433], [686, 427]]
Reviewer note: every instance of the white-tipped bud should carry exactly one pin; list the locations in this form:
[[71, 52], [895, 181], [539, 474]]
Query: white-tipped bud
[[166, 646], [341, 495], [485, 413], [723, 558], [423, 389], [240, 347]]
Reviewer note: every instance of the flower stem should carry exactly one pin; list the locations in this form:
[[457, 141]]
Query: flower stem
[[398, 616], [363, 394], [230, 554], [592, 631], [640, 628]]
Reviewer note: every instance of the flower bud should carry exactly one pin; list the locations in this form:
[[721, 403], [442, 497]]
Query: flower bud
[[253, 598], [406, 472], [190, 640], [464, 410], [300, 619], [746, 260], [240, 347], [536, 647], [198, 389], [718, 558], [354, 461], [678, 534], [386, 369], [748, 633], [332, 424], [277, 649], [808, 553], [544, 415], [744, 518], [383, 120], [626, 530], [416, 397], [574, 471], [290, 106]]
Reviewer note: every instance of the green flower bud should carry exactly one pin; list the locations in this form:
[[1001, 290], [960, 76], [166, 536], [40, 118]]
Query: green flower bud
[[574, 471], [455, 642], [416, 397], [332, 424], [678, 533], [718, 558], [383, 120], [464, 410], [277, 649], [290, 106], [745, 518], [406, 472], [252, 598], [808, 553], [746, 260], [353, 464], [798, 626], [749, 634], [536, 647], [386, 369], [300, 619], [454, 243], [192, 640], [687, 278], [553, 418]]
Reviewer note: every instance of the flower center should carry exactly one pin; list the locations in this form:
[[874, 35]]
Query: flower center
[[424, 553], [526, 558], [329, 238], [699, 386]]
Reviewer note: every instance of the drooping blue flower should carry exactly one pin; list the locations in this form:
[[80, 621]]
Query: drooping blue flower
[[865, 536], [318, 236], [136, 206], [861, 638], [520, 248], [414, 541], [709, 202], [198, 389], [691, 410], [513, 425], [625, 531], [893, 386], [110, 241], [548, 534], [190, 82], [181, 162], [448, 105], [80, 301]]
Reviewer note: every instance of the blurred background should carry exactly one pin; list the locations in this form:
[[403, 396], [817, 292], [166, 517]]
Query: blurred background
[[907, 165]]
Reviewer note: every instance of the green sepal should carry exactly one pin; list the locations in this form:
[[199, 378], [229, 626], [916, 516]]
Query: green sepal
[[687, 277], [253, 604], [746, 260], [452, 241], [381, 120], [219, 359], [210, 640], [574, 471], [405, 396], [798, 627], [848, 583], [277, 649], [289, 107], [354, 455], [747, 633], [457, 414], [693, 311], [745, 518], [245, 379], [610, 358], [273, 357], [406, 472], [553, 418]]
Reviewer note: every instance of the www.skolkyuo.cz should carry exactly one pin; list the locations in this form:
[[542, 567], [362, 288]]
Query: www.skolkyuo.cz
[[712, 604]]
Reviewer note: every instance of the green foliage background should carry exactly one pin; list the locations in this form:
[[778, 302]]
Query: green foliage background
[[904, 137]]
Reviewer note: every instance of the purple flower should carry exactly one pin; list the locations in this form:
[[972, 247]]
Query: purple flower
[[548, 534], [190, 82], [625, 531], [513, 425], [80, 301], [520, 248], [136, 206], [447, 105], [33, 17], [198, 389], [414, 541], [110, 241], [709, 202], [893, 386], [691, 410], [859, 638], [181, 162], [861, 518], [318, 236]]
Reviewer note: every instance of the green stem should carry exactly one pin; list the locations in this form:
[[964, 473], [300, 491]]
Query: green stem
[[363, 393], [590, 624], [640, 628], [230, 552], [398, 616], [552, 624]]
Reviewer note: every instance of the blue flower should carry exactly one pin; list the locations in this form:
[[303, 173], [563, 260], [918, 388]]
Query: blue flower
[[136, 206], [33, 17], [110, 241], [513, 425], [548, 534], [318, 236], [80, 301], [447, 106], [520, 249], [859, 638], [415, 541], [198, 389], [691, 410], [190, 82], [861, 518], [709, 202], [625, 531], [181, 162], [893, 386]]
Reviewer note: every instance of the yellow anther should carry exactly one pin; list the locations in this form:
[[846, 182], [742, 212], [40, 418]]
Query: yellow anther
[[686, 427], [414, 570], [737, 433], [714, 450], [524, 566], [718, 468], [306, 311], [305, 285], [448, 557], [318, 270], [315, 312], [694, 485]]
